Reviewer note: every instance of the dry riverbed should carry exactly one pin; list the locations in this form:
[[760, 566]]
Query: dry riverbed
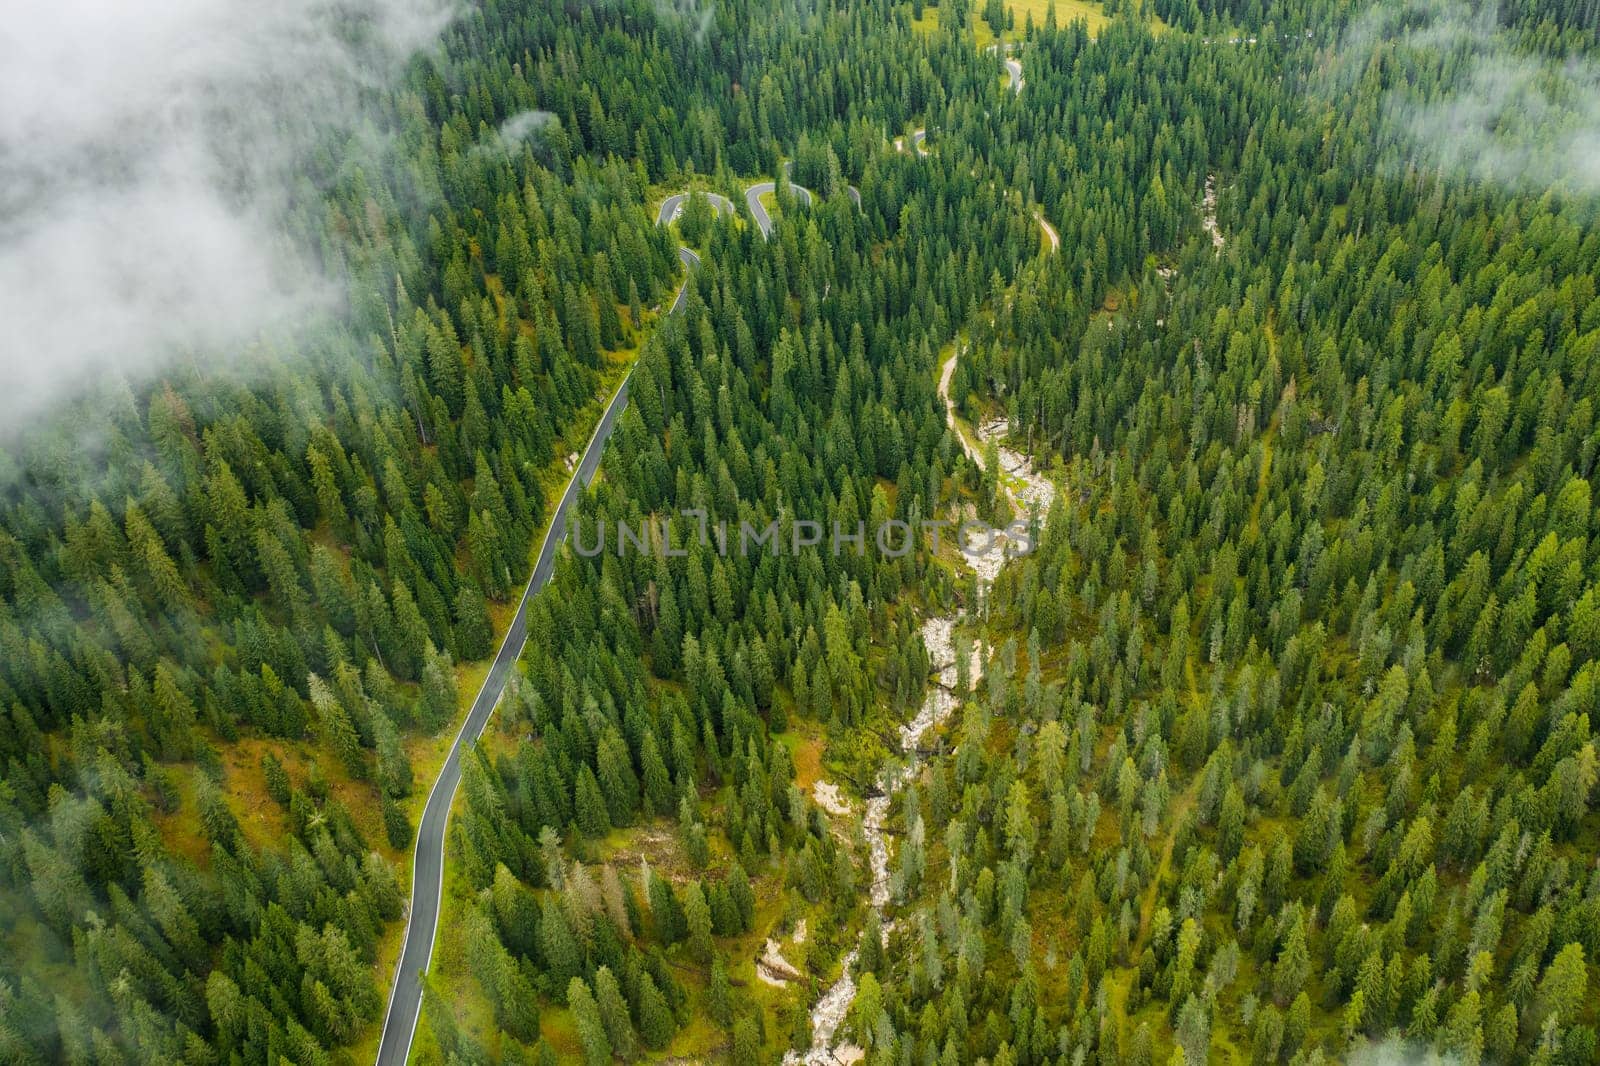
[[1026, 488]]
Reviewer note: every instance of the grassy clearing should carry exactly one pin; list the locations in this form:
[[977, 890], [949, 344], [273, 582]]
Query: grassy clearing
[[983, 34], [1093, 14], [1066, 11], [180, 828], [805, 742]]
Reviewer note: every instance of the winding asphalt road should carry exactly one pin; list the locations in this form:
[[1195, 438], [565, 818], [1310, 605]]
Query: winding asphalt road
[[1014, 80], [672, 206], [689, 260], [427, 875], [758, 210], [917, 137]]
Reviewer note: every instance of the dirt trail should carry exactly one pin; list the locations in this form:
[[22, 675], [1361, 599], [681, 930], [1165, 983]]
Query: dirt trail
[[1050, 232], [946, 373], [1208, 214]]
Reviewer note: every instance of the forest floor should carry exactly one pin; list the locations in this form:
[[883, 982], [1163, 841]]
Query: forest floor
[[805, 741], [656, 842]]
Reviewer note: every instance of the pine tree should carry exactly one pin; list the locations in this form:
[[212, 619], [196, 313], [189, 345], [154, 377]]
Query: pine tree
[[394, 765], [334, 728], [656, 1024], [719, 995], [665, 910], [697, 915], [743, 896], [397, 828], [439, 701], [474, 632], [591, 1029], [593, 818], [614, 1014], [1563, 988], [173, 713], [412, 648], [746, 1043], [563, 958]]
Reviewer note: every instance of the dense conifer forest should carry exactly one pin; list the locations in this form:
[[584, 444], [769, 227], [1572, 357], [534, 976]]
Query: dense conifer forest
[[1278, 746]]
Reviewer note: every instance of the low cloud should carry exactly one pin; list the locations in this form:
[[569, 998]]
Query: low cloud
[[698, 15], [1399, 1053], [1464, 99], [147, 156], [525, 124]]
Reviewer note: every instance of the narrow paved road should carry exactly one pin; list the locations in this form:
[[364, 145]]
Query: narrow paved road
[[758, 211], [1014, 80], [427, 875], [917, 137], [1015, 69], [672, 206], [689, 260]]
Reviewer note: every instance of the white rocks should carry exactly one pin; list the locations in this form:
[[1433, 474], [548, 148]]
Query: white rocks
[[938, 638], [830, 799], [830, 1011], [826, 1018], [1024, 485], [773, 968], [875, 821]]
